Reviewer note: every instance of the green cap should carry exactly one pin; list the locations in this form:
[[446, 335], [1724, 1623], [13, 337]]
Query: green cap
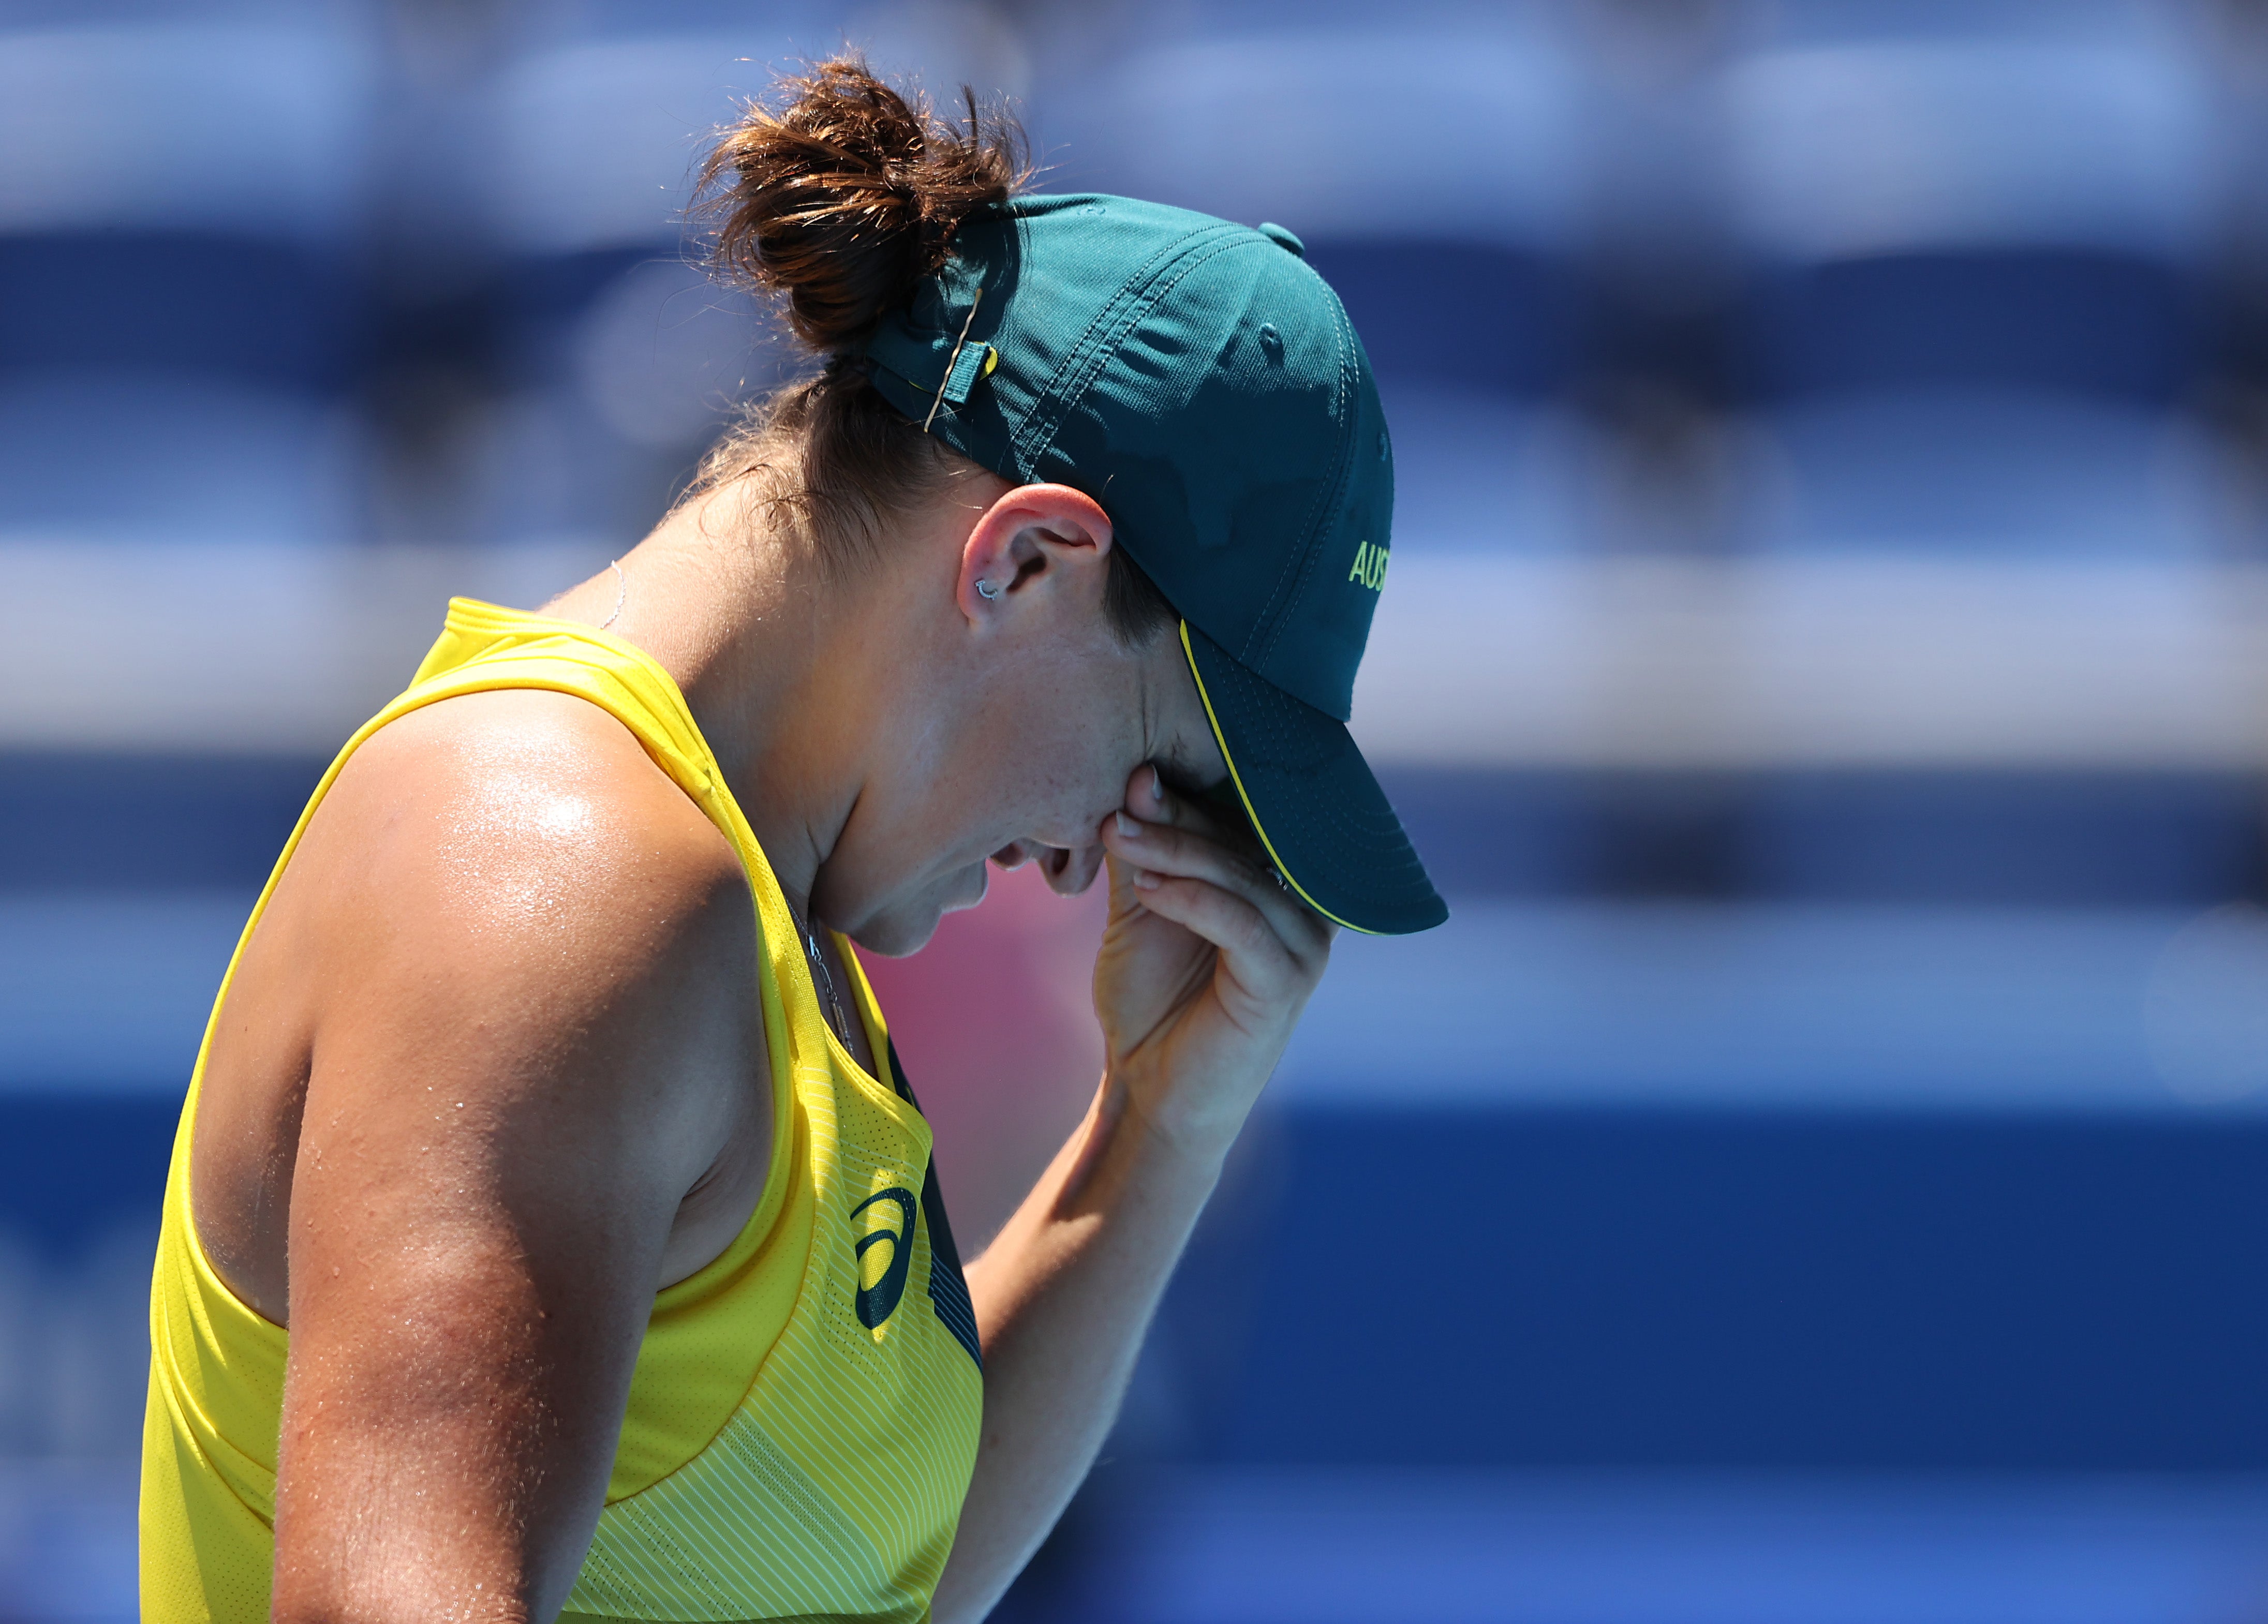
[[1202, 384]]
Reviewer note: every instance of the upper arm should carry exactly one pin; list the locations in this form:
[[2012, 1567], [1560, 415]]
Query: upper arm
[[517, 1072]]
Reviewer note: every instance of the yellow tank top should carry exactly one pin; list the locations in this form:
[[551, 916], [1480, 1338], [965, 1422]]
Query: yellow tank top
[[803, 1417]]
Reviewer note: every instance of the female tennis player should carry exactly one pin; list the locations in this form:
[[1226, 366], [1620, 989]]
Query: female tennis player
[[551, 1231]]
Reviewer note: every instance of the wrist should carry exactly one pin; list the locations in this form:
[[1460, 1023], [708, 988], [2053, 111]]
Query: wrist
[[1171, 1140]]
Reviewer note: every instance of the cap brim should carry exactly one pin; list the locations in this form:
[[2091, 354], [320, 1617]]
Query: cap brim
[[1313, 800]]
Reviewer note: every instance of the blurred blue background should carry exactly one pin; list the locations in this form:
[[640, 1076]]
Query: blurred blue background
[[1820, 1171]]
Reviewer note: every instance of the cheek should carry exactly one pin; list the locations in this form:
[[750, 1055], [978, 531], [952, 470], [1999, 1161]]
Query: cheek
[[1079, 759], [1072, 789], [1045, 757]]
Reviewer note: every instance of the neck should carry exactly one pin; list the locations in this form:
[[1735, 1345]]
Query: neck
[[764, 651]]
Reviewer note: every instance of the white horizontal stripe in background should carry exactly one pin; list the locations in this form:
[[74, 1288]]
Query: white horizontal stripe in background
[[1844, 151], [1501, 161], [253, 130], [597, 142], [1850, 661], [1660, 1004], [1475, 660], [1842, 1007], [244, 649]]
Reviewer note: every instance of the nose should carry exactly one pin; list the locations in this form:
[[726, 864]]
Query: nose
[[1070, 868]]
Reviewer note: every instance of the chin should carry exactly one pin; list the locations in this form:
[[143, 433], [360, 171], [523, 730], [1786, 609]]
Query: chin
[[897, 936], [898, 932]]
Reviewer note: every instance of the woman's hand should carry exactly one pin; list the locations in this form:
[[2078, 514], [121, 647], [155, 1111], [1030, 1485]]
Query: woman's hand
[[1206, 965]]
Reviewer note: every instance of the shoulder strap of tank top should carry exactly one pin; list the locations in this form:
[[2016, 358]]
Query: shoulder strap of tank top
[[485, 647]]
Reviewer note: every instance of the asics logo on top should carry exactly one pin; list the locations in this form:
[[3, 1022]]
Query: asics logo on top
[[876, 1303]]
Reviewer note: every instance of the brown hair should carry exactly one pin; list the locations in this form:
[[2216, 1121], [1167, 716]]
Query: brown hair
[[838, 201]]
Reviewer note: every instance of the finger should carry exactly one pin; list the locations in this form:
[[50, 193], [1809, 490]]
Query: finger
[[1124, 896], [1237, 866], [1255, 954], [1148, 798], [1151, 801], [1185, 854]]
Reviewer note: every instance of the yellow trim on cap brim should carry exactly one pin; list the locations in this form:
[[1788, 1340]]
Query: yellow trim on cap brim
[[1237, 778]]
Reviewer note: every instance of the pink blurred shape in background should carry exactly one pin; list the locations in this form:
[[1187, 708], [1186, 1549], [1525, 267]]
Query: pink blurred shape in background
[[995, 1023]]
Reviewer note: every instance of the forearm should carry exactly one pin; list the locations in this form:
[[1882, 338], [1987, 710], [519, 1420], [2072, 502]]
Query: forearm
[[1063, 1298]]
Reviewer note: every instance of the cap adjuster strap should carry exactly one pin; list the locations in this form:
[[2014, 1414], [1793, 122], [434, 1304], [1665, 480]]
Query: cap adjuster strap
[[952, 368], [1282, 875], [927, 364], [975, 363]]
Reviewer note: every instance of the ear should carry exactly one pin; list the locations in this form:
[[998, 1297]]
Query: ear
[[1030, 544]]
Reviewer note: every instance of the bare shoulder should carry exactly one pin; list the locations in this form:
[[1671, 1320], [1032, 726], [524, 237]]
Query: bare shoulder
[[527, 804], [506, 939], [518, 856]]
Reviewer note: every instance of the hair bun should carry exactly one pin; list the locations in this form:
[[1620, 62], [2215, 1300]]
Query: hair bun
[[848, 195]]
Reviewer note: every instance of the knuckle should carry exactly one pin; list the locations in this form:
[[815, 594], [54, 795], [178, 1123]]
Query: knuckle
[[1202, 854], [1236, 868], [1172, 846]]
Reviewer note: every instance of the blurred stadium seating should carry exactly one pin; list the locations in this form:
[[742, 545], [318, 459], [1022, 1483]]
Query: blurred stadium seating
[[1820, 1171]]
